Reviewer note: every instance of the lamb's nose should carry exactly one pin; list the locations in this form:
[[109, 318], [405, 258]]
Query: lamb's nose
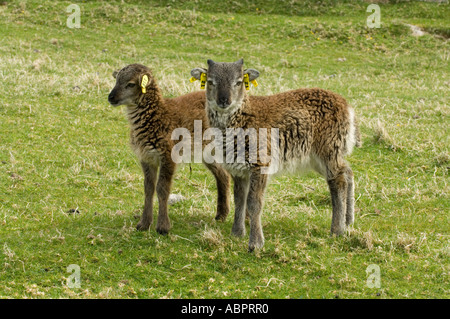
[[111, 97], [224, 101]]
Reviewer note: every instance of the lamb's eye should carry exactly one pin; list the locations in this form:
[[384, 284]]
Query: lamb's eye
[[210, 83], [238, 83], [130, 85]]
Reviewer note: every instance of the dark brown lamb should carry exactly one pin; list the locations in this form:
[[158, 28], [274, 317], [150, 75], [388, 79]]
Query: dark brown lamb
[[152, 120]]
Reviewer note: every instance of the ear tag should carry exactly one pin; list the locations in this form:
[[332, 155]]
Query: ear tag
[[246, 82], [192, 79], [202, 81], [255, 84], [144, 83]]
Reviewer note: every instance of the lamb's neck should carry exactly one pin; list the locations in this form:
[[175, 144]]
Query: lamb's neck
[[147, 118], [223, 119], [147, 106], [152, 98]]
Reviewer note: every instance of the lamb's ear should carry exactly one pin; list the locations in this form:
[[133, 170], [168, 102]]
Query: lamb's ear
[[239, 62], [252, 74], [115, 73], [197, 72]]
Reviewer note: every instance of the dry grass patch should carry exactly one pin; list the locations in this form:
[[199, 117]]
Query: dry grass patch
[[212, 237]]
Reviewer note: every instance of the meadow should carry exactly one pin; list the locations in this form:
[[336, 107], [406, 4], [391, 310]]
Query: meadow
[[71, 190]]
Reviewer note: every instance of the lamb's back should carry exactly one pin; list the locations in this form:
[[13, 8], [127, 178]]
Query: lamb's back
[[185, 109]]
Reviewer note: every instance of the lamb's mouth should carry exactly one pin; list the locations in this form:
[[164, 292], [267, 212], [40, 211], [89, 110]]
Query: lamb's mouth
[[114, 102], [222, 108]]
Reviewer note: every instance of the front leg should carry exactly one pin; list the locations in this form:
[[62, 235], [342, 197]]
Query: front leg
[[255, 200], [223, 190], [241, 186], [149, 189], [166, 172]]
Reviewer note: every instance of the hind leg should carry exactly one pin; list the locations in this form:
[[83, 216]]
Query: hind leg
[[350, 213], [337, 182], [340, 181]]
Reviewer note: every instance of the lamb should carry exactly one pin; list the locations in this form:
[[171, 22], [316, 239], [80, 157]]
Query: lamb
[[152, 119], [316, 129]]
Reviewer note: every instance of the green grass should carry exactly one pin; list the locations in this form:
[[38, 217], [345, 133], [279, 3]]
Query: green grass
[[63, 147]]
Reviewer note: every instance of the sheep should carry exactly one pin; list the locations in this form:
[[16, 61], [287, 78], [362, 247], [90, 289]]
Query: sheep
[[316, 129], [152, 119]]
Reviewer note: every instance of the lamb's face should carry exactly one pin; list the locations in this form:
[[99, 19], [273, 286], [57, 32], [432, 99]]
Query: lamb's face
[[225, 90], [128, 85]]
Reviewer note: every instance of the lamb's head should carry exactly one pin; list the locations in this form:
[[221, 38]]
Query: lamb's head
[[225, 90], [131, 82]]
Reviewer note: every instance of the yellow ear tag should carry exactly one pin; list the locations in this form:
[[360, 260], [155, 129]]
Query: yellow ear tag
[[255, 84], [202, 81], [144, 83], [246, 82], [192, 79]]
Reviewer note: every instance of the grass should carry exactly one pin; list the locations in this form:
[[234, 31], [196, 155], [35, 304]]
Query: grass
[[70, 187]]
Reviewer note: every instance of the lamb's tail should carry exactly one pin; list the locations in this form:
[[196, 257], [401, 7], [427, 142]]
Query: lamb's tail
[[354, 134]]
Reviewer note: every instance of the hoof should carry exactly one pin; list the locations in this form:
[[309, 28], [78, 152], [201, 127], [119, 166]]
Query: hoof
[[257, 244], [141, 226], [220, 218], [162, 231], [337, 232]]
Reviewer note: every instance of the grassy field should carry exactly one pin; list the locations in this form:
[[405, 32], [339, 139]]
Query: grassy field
[[71, 189]]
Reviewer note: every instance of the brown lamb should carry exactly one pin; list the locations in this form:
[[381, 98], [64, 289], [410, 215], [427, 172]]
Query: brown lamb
[[152, 119], [316, 129]]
